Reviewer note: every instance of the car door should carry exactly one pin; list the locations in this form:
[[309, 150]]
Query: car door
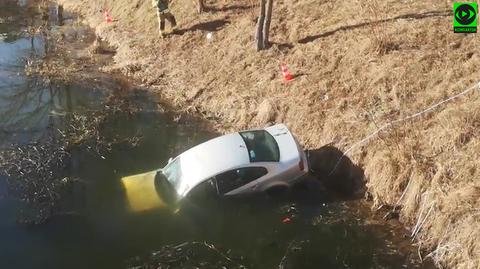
[[203, 191], [239, 180]]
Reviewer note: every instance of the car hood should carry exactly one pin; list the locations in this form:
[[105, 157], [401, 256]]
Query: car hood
[[141, 193]]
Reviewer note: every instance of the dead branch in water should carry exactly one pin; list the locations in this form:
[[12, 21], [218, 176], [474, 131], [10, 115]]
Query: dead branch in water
[[37, 172], [192, 254]]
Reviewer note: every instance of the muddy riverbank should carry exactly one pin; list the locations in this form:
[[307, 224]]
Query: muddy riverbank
[[357, 69]]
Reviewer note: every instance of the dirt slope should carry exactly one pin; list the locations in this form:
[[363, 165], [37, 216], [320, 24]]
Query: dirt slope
[[359, 65]]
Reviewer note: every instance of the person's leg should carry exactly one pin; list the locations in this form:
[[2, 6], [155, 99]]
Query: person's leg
[[171, 19], [161, 23]]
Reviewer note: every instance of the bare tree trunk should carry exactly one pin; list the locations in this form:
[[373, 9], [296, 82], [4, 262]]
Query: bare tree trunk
[[260, 26], [201, 6], [266, 25], [60, 15]]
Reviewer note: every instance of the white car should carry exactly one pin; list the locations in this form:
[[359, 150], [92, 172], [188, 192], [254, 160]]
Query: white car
[[238, 163]]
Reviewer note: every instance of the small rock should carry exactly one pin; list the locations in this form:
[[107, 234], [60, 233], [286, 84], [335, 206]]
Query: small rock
[[266, 113]]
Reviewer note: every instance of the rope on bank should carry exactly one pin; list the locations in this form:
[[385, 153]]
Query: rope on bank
[[410, 117]]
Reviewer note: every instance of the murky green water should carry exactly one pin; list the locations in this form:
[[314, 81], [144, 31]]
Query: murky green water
[[95, 230]]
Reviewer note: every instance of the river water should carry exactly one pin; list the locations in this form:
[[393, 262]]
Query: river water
[[96, 230]]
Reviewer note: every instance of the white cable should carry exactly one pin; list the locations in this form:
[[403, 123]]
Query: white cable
[[387, 125]]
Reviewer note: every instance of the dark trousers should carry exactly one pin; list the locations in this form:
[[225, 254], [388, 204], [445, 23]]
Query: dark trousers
[[166, 14]]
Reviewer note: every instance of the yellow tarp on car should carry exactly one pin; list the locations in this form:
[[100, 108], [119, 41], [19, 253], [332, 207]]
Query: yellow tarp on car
[[141, 192]]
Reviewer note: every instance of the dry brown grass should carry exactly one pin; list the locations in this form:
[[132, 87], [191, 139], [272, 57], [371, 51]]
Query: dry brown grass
[[359, 67], [381, 42], [437, 179]]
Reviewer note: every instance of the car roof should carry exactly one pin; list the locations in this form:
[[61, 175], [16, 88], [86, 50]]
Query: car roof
[[211, 158]]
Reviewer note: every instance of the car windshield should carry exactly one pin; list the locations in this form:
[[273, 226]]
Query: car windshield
[[164, 189], [173, 173], [261, 146]]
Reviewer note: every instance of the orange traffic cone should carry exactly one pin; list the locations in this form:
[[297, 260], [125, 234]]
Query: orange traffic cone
[[287, 76], [108, 18]]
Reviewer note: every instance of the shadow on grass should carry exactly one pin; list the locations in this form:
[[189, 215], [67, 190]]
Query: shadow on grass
[[333, 177], [417, 16], [210, 26], [227, 8], [284, 47]]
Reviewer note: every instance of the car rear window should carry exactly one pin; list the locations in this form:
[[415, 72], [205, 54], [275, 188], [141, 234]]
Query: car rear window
[[261, 146]]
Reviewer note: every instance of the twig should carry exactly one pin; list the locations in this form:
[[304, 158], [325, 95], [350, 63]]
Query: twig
[[418, 220], [403, 194], [283, 261], [421, 225], [212, 247], [419, 253], [439, 247]]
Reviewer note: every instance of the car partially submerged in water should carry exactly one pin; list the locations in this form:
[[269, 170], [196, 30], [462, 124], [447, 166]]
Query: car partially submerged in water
[[238, 163]]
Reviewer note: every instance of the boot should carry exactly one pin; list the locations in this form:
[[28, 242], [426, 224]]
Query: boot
[[162, 34]]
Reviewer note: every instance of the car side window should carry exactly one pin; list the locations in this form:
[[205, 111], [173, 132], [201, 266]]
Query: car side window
[[204, 190], [233, 179]]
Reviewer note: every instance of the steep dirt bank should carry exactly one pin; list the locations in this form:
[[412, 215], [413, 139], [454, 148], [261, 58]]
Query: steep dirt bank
[[359, 65]]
